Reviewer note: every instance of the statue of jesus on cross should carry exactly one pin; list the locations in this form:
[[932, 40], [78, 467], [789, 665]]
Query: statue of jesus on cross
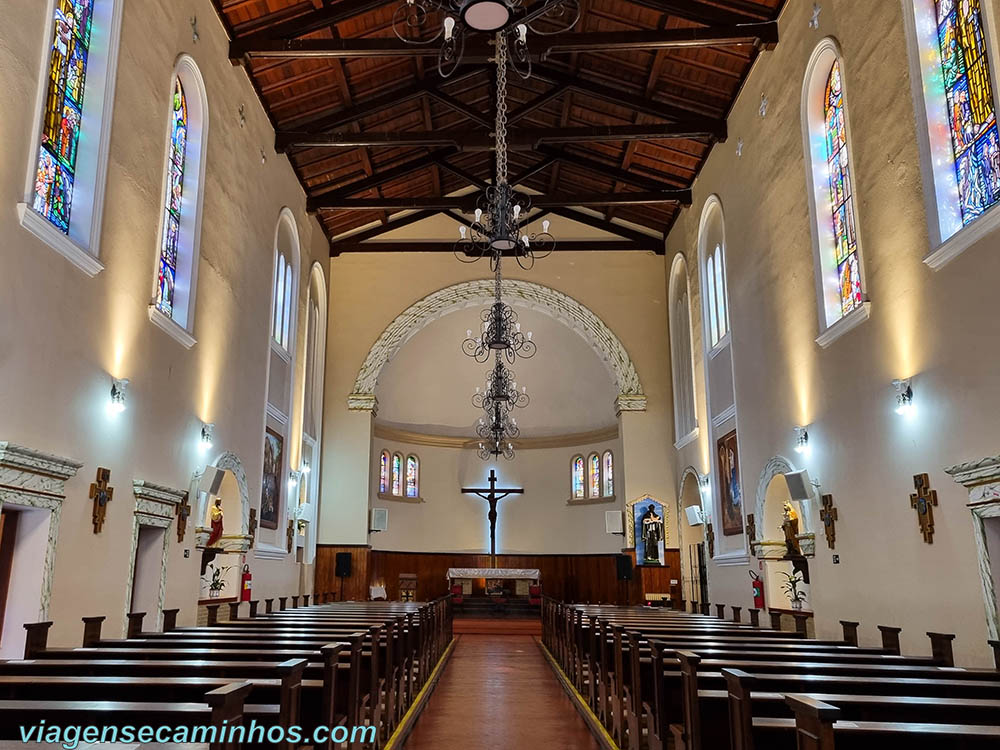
[[492, 495]]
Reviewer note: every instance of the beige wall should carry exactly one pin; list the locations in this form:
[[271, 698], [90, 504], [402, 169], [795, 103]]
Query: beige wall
[[627, 291], [64, 334], [937, 326], [538, 522]]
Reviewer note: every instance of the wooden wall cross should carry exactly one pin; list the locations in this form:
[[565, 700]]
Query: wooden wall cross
[[101, 494], [752, 533], [829, 518], [710, 538], [183, 513], [291, 535], [923, 501]]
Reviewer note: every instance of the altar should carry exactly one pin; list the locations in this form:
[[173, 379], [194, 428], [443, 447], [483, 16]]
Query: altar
[[522, 577]]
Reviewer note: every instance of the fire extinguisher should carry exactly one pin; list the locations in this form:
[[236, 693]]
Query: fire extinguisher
[[758, 590], [246, 583]]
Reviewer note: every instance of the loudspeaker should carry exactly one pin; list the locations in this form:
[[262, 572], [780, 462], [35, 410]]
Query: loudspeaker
[[211, 480], [343, 565], [694, 515], [623, 566], [799, 486], [613, 522]]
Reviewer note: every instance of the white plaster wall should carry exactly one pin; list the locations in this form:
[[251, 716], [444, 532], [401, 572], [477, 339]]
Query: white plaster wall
[[626, 290], [538, 522], [64, 335], [939, 327]]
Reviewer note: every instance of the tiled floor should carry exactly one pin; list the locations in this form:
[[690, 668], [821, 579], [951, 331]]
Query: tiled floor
[[498, 692]]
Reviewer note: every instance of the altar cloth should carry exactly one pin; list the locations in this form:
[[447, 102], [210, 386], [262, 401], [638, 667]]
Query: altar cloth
[[531, 574]]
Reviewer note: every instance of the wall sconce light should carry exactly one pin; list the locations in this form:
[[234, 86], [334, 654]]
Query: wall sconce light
[[306, 468], [119, 388], [207, 435], [904, 396], [704, 488], [293, 479], [801, 440]]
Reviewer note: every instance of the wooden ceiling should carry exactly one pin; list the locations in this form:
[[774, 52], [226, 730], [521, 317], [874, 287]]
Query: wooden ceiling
[[618, 115]]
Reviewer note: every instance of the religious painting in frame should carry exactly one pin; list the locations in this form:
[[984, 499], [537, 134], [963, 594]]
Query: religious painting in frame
[[270, 490], [730, 491], [646, 530]]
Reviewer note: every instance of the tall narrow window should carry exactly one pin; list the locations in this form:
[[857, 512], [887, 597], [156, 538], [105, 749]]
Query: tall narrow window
[[609, 474], [412, 476], [578, 483], [172, 210], [594, 475], [63, 113], [965, 68], [717, 309], [397, 475], [841, 197], [830, 174], [281, 328], [681, 357], [383, 481]]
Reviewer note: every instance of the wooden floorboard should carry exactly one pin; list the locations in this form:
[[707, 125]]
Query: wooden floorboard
[[499, 692]]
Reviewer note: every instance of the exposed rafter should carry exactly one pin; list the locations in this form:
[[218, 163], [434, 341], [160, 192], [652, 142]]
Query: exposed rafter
[[444, 203], [480, 50], [517, 140], [651, 245]]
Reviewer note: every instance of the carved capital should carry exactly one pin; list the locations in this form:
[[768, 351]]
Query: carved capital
[[363, 402], [630, 402]]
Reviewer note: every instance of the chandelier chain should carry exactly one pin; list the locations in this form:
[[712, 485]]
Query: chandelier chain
[[501, 124]]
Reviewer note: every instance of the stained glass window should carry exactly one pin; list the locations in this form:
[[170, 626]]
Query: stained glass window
[[411, 476], [172, 202], [578, 486], [397, 474], [383, 473], [594, 475], [965, 70], [63, 112], [609, 475], [845, 236]]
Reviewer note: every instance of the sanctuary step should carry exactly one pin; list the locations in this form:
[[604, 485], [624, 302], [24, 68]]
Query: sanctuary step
[[481, 607], [497, 626]]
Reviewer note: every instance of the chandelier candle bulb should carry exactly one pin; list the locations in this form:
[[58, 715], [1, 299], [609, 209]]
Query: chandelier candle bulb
[[449, 27]]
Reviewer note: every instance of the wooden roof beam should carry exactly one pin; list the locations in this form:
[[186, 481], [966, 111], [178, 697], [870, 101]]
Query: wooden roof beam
[[468, 202], [517, 140], [480, 50], [651, 245], [393, 173], [606, 170]]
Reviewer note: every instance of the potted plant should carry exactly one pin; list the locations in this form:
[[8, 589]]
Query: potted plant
[[216, 583], [791, 588]]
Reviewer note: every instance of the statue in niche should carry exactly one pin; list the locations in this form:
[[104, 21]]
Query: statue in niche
[[790, 527], [216, 519], [652, 535]]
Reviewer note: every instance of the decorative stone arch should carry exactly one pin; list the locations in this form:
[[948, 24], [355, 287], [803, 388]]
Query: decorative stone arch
[[776, 465], [226, 462], [689, 473], [557, 305]]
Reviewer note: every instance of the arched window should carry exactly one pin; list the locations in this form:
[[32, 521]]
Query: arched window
[[64, 191], [839, 273], [681, 358], [383, 481], [594, 475], [578, 484], [412, 476], [177, 263], [609, 474], [951, 60], [397, 475], [284, 294], [716, 296]]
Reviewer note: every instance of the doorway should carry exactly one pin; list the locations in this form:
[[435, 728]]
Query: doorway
[[24, 541], [148, 570]]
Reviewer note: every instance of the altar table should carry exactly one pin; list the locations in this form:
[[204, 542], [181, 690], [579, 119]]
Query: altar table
[[524, 574]]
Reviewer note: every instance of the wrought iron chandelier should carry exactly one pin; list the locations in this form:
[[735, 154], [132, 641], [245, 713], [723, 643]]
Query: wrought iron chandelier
[[499, 333], [498, 399], [501, 212], [414, 22]]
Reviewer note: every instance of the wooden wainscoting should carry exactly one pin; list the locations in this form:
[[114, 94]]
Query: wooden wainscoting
[[577, 578]]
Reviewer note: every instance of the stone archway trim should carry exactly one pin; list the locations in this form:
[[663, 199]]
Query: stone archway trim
[[562, 307]]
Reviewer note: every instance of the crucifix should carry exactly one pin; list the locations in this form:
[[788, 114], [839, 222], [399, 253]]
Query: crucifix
[[923, 501], [101, 494], [492, 495]]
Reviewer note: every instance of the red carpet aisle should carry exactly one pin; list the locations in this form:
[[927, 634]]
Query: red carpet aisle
[[498, 693]]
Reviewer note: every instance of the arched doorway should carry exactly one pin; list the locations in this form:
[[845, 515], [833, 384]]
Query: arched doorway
[[222, 486], [691, 537]]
